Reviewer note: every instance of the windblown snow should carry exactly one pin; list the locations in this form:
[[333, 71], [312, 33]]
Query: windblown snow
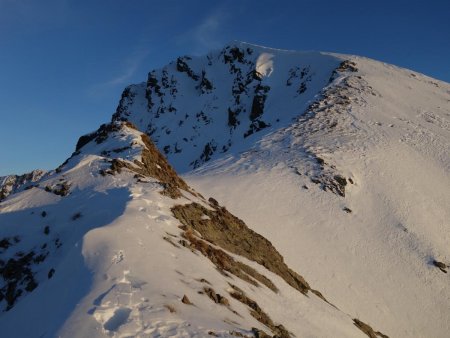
[[341, 162]]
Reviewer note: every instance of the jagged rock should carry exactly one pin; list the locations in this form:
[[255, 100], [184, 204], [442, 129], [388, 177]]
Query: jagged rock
[[18, 276], [100, 135], [183, 67], [205, 85], [443, 267], [185, 300], [261, 316], [367, 329], [215, 297]]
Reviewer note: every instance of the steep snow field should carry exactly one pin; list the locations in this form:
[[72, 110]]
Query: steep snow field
[[376, 261]]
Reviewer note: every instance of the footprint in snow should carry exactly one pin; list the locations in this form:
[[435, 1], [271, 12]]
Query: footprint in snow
[[119, 318]]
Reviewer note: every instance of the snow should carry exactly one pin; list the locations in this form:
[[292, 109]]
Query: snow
[[375, 262], [117, 272], [264, 64], [183, 120]]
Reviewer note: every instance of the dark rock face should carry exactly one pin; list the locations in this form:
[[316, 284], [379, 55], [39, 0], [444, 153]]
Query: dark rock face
[[61, 189], [205, 85], [17, 273], [443, 267], [100, 135], [183, 67]]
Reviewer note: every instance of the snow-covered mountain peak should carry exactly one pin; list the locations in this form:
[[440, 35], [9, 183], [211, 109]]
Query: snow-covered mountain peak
[[198, 108], [360, 179]]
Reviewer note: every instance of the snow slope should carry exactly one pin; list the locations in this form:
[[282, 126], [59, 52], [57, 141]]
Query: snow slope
[[373, 249], [340, 161], [96, 249]]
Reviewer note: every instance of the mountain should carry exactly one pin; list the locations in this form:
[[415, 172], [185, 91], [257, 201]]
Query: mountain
[[10, 184], [115, 243], [332, 173], [199, 108]]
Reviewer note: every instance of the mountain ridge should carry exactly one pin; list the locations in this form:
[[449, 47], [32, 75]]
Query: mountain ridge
[[64, 220], [329, 186]]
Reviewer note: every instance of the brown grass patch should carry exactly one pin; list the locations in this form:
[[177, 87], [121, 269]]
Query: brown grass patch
[[257, 313], [224, 262], [367, 329], [229, 232]]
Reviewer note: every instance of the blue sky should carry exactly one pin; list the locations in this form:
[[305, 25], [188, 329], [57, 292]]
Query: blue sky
[[64, 63]]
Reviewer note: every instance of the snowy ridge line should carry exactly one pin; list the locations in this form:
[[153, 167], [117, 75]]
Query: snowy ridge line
[[118, 165]]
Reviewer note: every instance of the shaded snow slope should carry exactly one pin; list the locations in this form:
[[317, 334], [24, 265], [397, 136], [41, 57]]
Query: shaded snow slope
[[355, 194], [114, 244]]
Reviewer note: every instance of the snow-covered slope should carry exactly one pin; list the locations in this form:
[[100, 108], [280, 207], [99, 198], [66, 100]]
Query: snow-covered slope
[[114, 243], [350, 180], [355, 194], [341, 162]]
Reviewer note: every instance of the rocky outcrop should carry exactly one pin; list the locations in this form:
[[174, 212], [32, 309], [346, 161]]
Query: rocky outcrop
[[219, 227], [261, 316], [367, 329], [13, 183], [152, 164]]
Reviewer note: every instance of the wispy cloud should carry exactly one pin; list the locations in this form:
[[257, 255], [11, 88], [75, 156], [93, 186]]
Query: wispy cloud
[[208, 34], [130, 65]]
